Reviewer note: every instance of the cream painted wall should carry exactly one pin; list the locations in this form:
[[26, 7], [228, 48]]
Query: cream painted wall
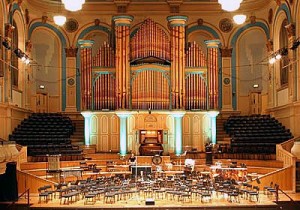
[[104, 130]]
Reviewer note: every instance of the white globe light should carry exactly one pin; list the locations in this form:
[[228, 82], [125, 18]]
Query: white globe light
[[59, 20], [239, 19], [73, 5], [272, 60], [230, 5]]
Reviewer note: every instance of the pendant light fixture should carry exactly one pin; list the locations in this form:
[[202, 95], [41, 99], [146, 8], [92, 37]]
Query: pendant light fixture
[[59, 19], [239, 19], [230, 5], [73, 5]]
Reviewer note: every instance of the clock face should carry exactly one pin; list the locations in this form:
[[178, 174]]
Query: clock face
[[156, 160], [71, 25]]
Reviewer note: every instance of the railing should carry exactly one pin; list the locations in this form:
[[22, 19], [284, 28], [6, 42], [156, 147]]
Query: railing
[[283, 152], [26, 193], [30, 181]]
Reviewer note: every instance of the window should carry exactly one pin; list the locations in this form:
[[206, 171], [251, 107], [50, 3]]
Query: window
[[283, 42], [14, 58]]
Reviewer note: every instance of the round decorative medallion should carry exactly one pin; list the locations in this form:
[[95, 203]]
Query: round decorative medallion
[[71, 25], [71, 81], [225, 25], [226, 81], [156, 160]]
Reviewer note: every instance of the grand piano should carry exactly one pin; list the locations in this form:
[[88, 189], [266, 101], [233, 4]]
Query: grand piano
[[151, 142]]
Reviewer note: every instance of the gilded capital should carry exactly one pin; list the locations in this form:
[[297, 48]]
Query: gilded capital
[[226, 52], [9, 28], [212, 43], [123, 20], [177, 20], [85, 43], [71, 52], [290, 28]]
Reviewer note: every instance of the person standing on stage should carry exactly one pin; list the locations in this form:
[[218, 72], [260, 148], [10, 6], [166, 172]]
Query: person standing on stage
[[131, 161]]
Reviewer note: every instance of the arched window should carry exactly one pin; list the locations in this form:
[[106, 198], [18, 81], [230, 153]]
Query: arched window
[[14, 58], [283, 42]]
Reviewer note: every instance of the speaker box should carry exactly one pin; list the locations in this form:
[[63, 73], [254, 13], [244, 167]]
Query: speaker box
[[149, 201]]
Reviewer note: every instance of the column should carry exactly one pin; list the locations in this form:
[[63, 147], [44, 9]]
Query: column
[[123, 115], [271, 77], [292, 74], [71, 54], [86, 73], [177, 24], [178, 115], [122, 33], [87, 127], [212, 73], [7, 69], [213, 125], [227, 94], [29, 85]]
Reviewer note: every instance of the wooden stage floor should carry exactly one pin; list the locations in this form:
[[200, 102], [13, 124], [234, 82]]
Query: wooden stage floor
[[265, 203]]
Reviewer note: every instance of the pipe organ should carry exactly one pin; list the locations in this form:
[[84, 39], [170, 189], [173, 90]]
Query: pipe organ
[[151, 69]]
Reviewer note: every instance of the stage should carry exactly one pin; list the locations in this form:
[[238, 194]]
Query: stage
[[221, 203]]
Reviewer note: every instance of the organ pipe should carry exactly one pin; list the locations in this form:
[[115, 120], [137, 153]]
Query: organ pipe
[[150, 41]]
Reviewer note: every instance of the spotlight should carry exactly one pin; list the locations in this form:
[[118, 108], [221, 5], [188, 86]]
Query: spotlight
[[18, 53], [255, 86], [295, 45], [5, 43], [278, 56], [284, 52], [272, 60], [27, 61]]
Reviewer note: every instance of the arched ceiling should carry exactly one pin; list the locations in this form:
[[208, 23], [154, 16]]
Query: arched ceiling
[[184, 5]]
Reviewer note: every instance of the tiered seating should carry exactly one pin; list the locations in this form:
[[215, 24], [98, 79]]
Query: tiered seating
[[255, 134], [46, 134]]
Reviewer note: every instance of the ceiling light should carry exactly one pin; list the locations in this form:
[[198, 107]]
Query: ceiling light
[[239, 19], [230, 5], [59, 20], [73, 5]]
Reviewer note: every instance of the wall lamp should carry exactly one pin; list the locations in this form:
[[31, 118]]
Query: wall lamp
[[5, 43]]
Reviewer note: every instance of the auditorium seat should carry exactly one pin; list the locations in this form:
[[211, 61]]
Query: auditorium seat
[[46, 134], [255, 134]]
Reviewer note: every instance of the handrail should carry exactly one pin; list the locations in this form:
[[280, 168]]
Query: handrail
[[27, 191], [274, 172]]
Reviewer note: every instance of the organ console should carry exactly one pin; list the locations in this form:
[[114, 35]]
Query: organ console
[[151, 142]]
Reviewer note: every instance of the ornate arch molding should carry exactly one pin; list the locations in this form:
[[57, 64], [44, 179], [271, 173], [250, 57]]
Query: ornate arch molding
[[81, 35], [203, 28], [63, 42], [297, 18], [15, 7], [3, 18], [233, 42], [286, 9], [280, 17]]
